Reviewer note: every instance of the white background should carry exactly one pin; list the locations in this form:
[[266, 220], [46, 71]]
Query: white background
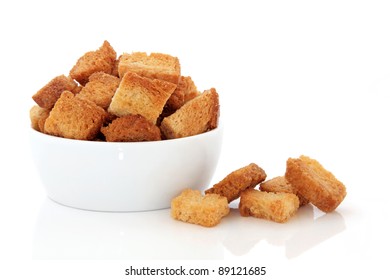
[[294, 77]]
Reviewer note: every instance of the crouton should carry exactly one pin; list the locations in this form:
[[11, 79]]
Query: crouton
[[155, 66], [140, 95], [100, 89], [237, 181], [47, 96], [280, 184], [198, 115], [315, 183], [101, 60], [131, 128], [185, 91], [38, 117], [192, 207], [75, 118], [277, 207]]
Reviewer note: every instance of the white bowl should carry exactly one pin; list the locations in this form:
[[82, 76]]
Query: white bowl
[[120, 176]]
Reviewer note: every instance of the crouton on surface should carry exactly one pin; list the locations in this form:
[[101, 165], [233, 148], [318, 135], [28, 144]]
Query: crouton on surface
[[192, 207]]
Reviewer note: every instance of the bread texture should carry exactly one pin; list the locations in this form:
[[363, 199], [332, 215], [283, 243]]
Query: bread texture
[[47, 96], [101, 60], [185, 91], [38, 117], [75, 118], [280, 184], [198, 115], [192, 207], [154, 66], [238, 181], [131, 128], [277, 207], [100, 89], [140, 95], [315, 183]]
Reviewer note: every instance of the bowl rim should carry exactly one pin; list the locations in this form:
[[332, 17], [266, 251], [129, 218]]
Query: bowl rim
[[216, 130]]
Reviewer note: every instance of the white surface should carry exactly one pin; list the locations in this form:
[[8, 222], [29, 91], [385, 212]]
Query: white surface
[[295, 77], [119, 177]]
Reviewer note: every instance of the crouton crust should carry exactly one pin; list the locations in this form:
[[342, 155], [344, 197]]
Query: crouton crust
[[100, 89], [140, 95], [198, 115], [192, 207], [280, 184], [74, 118], [155, 66], [239, 180], [102, 60], [38, 117], [277, 207], [315, 183], [185, 91], [131, 128], [47, 96]]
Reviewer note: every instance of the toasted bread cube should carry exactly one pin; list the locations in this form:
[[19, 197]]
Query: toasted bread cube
[[280, 184], [100, 89], [131, 128], [185, 91], [140, 95], [315, 183], [101, 60], [277, 207], [237, 181], [192, 207], [75, 118], [38, 117], [154, 66], [47, 96], [196, 116]]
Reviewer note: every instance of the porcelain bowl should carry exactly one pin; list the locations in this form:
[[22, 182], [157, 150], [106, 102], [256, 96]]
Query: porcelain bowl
[[124, 176]]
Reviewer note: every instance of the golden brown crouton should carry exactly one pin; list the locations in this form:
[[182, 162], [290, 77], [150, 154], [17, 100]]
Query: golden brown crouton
[[196, 116], [278, 207], [38, 117], [131, 128], [75, 118], [100, 89], [101, 60], [185, 91], [47, 96], [315, 183], [155, 66], [237, 181], [140, 95], [280, 184], [191, 207]]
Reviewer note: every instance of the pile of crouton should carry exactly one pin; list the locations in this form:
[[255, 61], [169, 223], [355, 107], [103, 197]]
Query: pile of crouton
[[131, 98]]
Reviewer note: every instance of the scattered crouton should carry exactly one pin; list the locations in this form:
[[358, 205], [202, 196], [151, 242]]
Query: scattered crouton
[[315, 183], [277, 207], [192, 207], [280, 184], [239, 180]]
